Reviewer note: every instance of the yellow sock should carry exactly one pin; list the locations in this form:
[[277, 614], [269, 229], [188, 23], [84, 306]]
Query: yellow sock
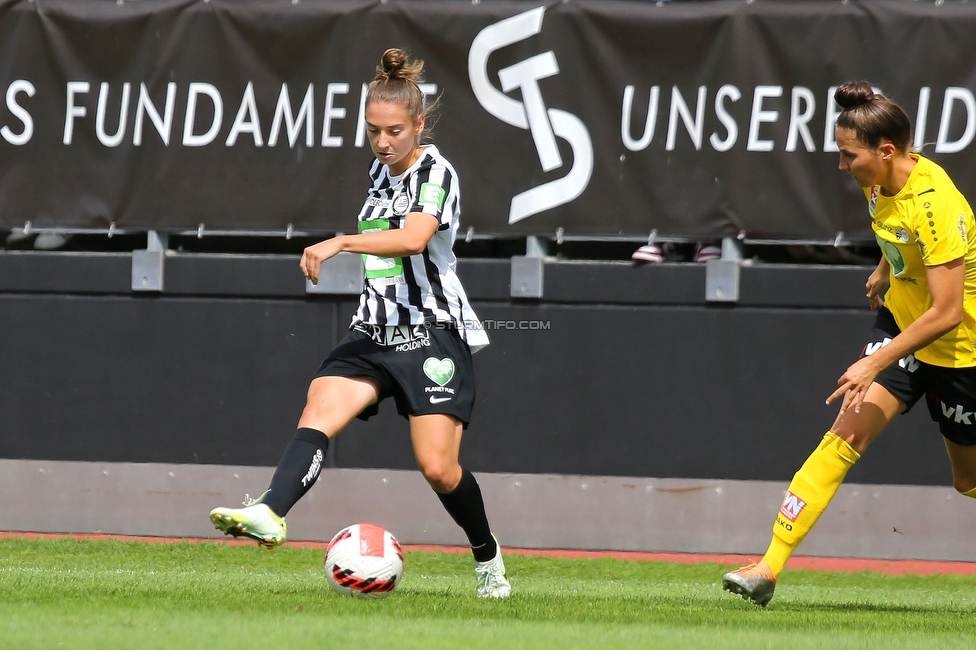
[[811, 489], [777, 554], [971, 493]]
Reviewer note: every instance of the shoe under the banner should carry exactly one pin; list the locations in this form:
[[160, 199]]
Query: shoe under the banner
[[707, 253], [649, 253]]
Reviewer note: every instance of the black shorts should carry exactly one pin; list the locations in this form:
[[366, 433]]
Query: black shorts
[[950, 393], [426, 369]]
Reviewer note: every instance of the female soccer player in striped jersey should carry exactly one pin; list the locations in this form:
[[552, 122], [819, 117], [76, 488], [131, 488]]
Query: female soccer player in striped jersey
[[924, 337], [411, 337]]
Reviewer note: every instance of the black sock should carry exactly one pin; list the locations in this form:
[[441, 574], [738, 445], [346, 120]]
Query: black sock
[[297, 471], [467, 508]]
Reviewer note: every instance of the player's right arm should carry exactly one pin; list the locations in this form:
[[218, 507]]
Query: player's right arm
[[877, 283], [946, 284], [418, 229]]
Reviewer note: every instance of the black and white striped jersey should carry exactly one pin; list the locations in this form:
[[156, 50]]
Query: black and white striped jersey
[[423, 287]]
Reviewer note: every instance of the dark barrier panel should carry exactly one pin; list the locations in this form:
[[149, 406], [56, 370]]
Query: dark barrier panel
[[597, 117], [215, 370]]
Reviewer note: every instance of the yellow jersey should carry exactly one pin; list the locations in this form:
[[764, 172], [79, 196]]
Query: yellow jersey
[[928, 223]]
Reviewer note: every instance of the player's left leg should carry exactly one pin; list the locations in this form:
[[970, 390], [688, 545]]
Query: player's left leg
[[436, 444]]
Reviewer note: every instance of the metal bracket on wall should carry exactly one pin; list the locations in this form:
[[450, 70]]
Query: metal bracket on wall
[[147, 264], [342, 274], [722, 276], [528, 270]]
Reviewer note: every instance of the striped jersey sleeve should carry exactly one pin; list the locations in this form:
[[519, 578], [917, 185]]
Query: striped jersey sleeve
[[434, 192]]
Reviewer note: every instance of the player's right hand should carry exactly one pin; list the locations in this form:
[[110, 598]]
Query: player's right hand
[[314, 255], [876, 287]]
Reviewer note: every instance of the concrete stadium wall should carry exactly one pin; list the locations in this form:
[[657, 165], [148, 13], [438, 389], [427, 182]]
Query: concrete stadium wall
[[635, 380], [526, 510]]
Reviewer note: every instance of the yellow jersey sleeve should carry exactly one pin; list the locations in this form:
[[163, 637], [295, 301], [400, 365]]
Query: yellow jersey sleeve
[[940, 226]]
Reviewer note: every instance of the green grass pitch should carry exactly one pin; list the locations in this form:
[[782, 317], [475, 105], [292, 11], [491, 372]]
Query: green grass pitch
[[66, 593]]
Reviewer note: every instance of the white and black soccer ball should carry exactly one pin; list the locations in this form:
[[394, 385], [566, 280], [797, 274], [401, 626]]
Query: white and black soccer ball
[[365, 561]]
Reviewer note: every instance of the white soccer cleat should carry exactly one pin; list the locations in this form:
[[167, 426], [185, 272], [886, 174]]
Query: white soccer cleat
[[491, 576], [254, 520]]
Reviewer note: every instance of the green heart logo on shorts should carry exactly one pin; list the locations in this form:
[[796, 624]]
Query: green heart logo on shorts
[[440, 371]]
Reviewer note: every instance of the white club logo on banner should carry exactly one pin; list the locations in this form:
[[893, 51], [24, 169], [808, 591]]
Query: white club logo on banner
[[531, 114]]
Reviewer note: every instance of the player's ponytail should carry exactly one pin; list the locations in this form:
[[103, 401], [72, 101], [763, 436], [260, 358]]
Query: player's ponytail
[[872, 116]]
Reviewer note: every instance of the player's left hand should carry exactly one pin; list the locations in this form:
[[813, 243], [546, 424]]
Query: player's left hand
[[854, 383], [314, 255]]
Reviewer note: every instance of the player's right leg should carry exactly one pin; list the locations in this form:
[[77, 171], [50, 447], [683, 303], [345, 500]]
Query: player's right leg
[[332, 403], [812, 489]]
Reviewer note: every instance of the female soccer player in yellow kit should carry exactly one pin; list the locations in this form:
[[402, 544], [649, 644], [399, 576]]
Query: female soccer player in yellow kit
[[924, 337]]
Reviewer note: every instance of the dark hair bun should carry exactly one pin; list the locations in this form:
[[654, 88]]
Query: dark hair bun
[[852, 94], [393, 61]]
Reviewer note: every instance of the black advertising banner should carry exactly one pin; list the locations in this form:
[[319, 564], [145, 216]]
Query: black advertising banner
[[599, 118]]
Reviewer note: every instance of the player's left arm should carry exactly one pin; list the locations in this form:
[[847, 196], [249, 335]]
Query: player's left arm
[[946, 285], [411, 239]]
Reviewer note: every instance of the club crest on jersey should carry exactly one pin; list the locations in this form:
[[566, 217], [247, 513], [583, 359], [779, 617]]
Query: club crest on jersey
[[902, 235], [792, 506], [401, 204], [873, 202]]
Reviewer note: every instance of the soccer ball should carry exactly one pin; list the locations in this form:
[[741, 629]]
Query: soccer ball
[[365, 561]]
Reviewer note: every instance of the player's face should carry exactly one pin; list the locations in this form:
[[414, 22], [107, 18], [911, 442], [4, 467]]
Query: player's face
[[865, 164], [393, 135]]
